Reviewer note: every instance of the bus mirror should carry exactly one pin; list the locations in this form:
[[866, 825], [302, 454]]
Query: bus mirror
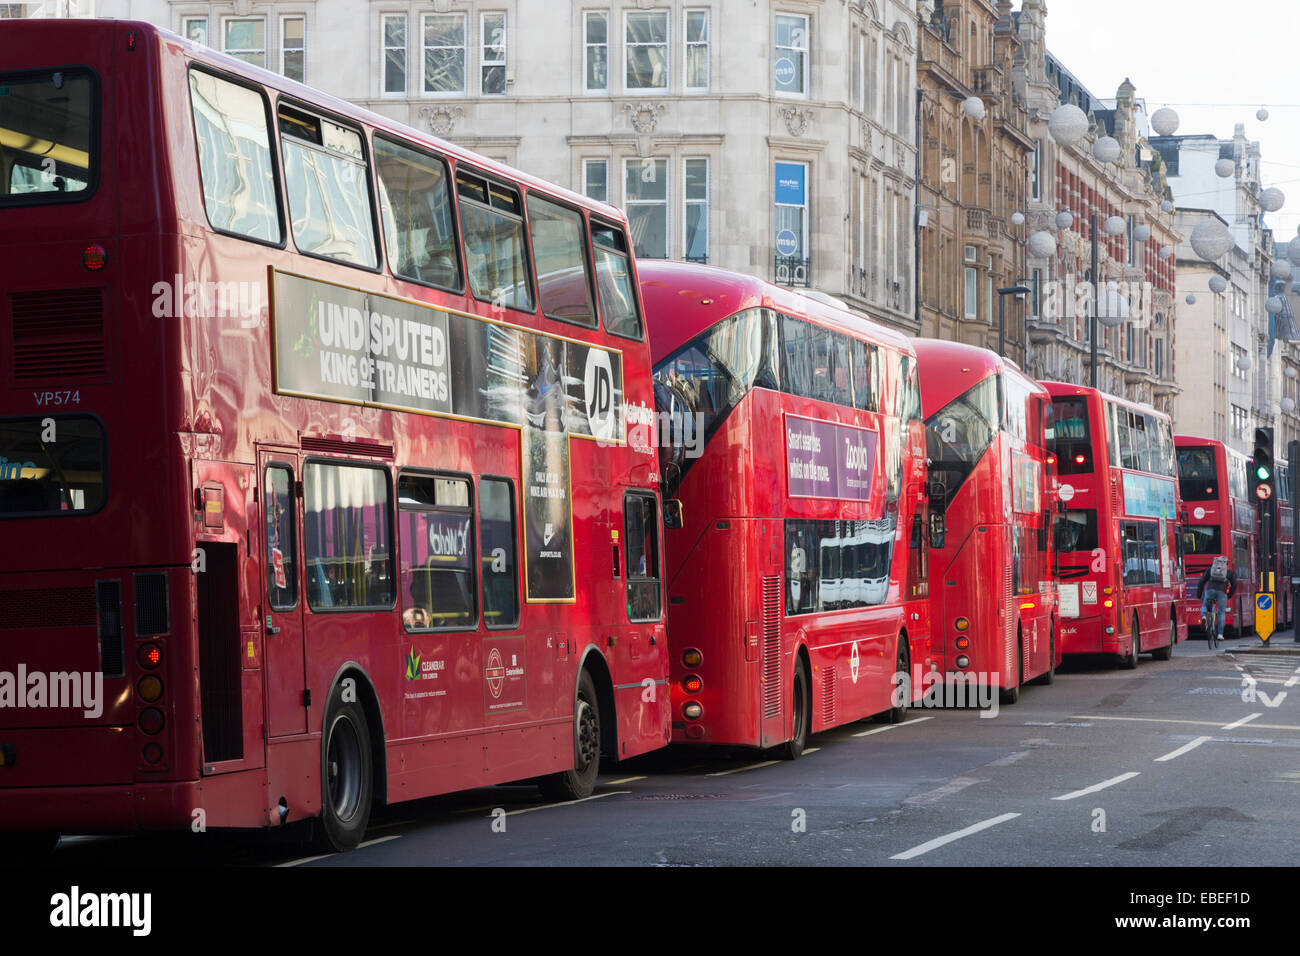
[[673, 513], [938, 495], [672, 478], [938, 529]]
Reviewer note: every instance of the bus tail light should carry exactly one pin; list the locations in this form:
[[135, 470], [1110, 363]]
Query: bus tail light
[[693, 710], [149, 655], [962, 661], [94, 257], [1108, 590], [963, 643], [1110, 629], [152, 753], [691, 657], [961, 624], [692, 684], [152, 720], [1107, 603], [695, 731], [150, 688]]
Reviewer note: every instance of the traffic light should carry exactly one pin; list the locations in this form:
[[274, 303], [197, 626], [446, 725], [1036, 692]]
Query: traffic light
[[1263, 476]]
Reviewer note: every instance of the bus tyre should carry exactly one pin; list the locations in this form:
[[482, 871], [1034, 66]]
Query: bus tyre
[[347, 775], [1166, 652], [801, 707], [896, 715], [1009, 695], [580, 782], [1050, 676], [1131, 661]]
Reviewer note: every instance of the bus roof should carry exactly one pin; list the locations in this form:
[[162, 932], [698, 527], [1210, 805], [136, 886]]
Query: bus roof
[[683, 299], [308, 95], [947, 369], [1071, 388]]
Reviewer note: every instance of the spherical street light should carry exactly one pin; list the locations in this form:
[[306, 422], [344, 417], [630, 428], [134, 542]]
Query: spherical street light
[[1042, 245], [1064, 220], [1272, 199], [1225, 168], [1211, 239], [1164, 122], [1218, 284], [1106, 149], [1068, 124], [973, 107], [1115, 226]]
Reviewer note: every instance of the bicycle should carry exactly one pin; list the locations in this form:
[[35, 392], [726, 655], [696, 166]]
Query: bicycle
[[1211, 621]]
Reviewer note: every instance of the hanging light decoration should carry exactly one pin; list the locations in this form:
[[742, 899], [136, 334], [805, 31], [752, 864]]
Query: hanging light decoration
[[1064, 220], [973, 107], [1017, 219], [1274, 305], [1211, 239], [1224, 168], [1288, 405], [1106, 149], [1293, 251], [1141, 233], [1281, 269], [1218, 284], [1191, 299], [1164, 122], [1262, 115], [1167, 206], [1042, 245], [1272, 199], [1243, 362], [1068, 124], [1112, 308], [1290, 371], [1165, 252], [1115, 226]]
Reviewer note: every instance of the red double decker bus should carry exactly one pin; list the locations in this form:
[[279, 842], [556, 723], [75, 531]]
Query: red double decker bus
[[792, 442], [1121, 577], [314, 432], [994, 603], [1219, 517]]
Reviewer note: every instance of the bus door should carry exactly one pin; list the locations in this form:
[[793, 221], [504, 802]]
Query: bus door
[[280, 500]]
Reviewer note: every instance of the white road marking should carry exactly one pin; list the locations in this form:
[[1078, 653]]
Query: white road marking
[[1183, 749], [948, 789], [377, 840], [1238, 723], [811, 750], [752, 766], [1098, 786], [952, 837], [305, 859], [881, 730], [567, 803], [1202, 723], [615, 783]]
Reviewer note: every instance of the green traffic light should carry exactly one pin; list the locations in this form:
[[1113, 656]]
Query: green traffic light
[[1262, 473]]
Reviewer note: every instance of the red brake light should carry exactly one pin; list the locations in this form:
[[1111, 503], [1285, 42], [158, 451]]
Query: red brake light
[[94, 257], [150, 656], [1080, 459], [692, 684]]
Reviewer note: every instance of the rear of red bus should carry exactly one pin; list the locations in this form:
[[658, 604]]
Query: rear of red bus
[[994, 605], [89, 729], [788, 608], [1218, 520]]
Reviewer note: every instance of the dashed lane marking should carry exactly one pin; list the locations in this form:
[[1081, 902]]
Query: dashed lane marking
[[1098, 786], [944, 840]]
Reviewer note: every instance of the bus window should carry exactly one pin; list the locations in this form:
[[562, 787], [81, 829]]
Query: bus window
[[1201, 539], [325, 178], [281, 539], [415, 201], [435, 536], [346, 537], [641, 528], [1198, 478], [496, 520], [560, 258], [492, 220], [1076, 530], [798, 340], [1072, 441], [46, 152], [618, 300], [234, 158], [838, 372], [51, 478], [958, 435], [1140, 550], [866, 376]]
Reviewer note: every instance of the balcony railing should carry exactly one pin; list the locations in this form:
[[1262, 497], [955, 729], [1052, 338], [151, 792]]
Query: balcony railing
[[789, 271]]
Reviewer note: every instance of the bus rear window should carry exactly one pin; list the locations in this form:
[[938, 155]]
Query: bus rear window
[[1201, 539], [1198, 478], [46, 125], [1070, 437], [51, 466], [1076, 530]]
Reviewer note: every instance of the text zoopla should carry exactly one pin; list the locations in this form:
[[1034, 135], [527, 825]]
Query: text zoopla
[[178, 299], [974, 689]]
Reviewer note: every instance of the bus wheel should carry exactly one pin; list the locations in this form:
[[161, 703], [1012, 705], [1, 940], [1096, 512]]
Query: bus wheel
[[1050, 676], [580, 782], [801, 703], [896, 715], [347, 775], [1164, 653], [1131, 661], [1009, 695]]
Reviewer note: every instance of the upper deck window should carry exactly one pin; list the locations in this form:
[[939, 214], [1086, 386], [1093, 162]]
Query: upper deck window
[[47, 121], [234, 158], [419, 225], [1198, 477], [1071, 435], [559, 251], [491, 216], [326, 179], [958, 435], [614, 286]]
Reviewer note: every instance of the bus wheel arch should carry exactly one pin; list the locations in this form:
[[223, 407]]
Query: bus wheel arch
[[903, 663], [594, 663], [593, 716], [351, 755], [800, 707], [1049, 676], [1166, 652]]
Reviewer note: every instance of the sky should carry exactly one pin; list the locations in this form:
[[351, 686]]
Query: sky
[[1214, 62]]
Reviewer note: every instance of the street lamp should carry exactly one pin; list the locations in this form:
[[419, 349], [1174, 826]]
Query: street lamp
[[1019, 291]]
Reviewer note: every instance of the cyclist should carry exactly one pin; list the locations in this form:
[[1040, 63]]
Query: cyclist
[[1217, 584]]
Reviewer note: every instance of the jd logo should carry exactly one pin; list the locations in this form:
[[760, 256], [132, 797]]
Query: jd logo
[[598, 390]]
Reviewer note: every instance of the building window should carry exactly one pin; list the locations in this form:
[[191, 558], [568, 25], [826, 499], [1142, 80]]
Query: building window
[[444, 53], [293, 43], [493, 63], [1160, 358], [1036, 172], [595, 179], [1036, 299], [971, 254], [697, 51], [695, 244], [195, 29], [972, 293], [645, 200], [596, 38], [246, 40], [395, 53], [1239, 422], [791, 208], [1238, 359], [645, 50], [791, 67]]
